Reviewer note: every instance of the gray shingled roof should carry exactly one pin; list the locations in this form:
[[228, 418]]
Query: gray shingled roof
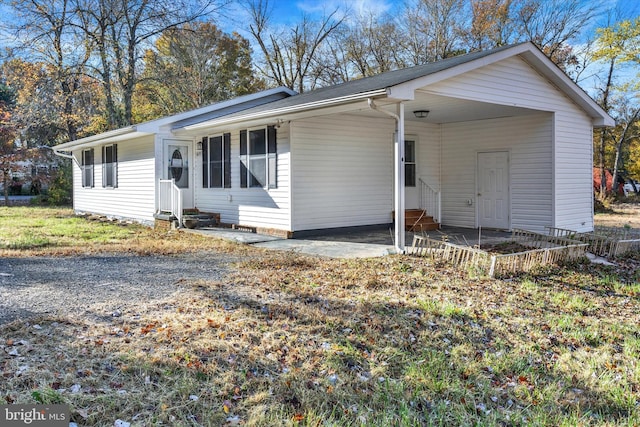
[[368, 84]]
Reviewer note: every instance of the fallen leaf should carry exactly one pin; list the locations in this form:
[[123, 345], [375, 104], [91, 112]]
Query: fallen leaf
[[233, 421]]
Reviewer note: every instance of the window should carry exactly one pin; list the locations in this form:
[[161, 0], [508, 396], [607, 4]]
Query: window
[[110, 166], [216, 161], [258, 158], [87, 168], [409, 163]]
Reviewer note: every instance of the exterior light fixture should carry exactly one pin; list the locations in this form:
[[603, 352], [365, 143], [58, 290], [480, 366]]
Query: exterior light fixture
[[421, 114]]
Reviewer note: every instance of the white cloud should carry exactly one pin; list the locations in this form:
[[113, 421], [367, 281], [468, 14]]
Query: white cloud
[[359, 7]]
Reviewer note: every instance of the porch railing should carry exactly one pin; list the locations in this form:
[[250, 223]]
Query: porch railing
[[170, 199], [430, 200]]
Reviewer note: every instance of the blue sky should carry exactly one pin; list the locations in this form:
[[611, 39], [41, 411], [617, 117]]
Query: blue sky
[[289, 11]]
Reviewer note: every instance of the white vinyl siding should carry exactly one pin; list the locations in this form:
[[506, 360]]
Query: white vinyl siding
[[342, 171], [134, 197], [254, 207], [528, 141], [513, 82]]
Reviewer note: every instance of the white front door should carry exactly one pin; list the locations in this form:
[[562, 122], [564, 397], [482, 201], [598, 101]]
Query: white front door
[[177, 166], [494, 206]]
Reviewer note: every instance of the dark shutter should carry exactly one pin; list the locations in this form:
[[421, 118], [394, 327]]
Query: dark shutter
[[205, 162], [272, 157], [272, 139], [227, 160], [216, 164], [92, 161], [115, 165], [104, 166], [243, 159]]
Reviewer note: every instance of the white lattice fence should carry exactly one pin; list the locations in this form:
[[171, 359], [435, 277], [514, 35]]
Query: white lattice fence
[[605, 241], [491, 264], [528, 260]]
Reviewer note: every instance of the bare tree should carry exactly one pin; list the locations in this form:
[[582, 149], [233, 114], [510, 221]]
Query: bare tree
[[333, 65], [95, 18], [120, 30], [434, 29], [289, 56], [47, 34], [552, 24], [491, 24]]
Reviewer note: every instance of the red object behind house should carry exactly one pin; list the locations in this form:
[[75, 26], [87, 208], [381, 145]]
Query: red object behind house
[[597, 178]]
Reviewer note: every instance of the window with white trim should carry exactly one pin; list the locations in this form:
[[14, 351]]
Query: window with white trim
[[110, 166], [216, 161], [258, 158], [87, 168]]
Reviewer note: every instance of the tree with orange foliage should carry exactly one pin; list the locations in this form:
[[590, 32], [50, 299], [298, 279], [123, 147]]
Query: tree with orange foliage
[[7, 138]]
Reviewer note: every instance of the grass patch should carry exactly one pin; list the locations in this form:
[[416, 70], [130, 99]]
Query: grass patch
[[57, 231], [287, 339]]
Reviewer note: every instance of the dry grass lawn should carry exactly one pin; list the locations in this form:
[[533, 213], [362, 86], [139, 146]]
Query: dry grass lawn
[[623, 214], [292, 340]]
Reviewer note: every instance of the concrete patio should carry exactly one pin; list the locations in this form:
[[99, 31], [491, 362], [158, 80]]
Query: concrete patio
[[363, 242]]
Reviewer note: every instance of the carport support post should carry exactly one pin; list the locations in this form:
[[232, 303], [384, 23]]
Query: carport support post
[[399, 180]]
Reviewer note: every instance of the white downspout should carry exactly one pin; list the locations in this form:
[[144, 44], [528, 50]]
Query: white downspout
[[64, 155], [398, 173], [61, 154]]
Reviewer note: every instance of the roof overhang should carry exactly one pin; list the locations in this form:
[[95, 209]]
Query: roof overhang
[[535, 58], [154, 126], [285, 111], [129, 132]]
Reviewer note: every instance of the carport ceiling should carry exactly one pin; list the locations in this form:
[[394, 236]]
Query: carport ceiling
[[444, 109]]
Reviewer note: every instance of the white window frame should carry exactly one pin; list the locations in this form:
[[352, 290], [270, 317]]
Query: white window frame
[[269, 157], [225, 178]]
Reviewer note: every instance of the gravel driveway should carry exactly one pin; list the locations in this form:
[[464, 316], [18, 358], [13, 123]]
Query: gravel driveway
[[103, 285]]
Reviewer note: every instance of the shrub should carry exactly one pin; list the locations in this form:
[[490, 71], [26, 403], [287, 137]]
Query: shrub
[[61, 188]]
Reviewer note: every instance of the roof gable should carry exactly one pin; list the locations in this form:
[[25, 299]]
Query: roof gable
[[402, 84], [534, 57]]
